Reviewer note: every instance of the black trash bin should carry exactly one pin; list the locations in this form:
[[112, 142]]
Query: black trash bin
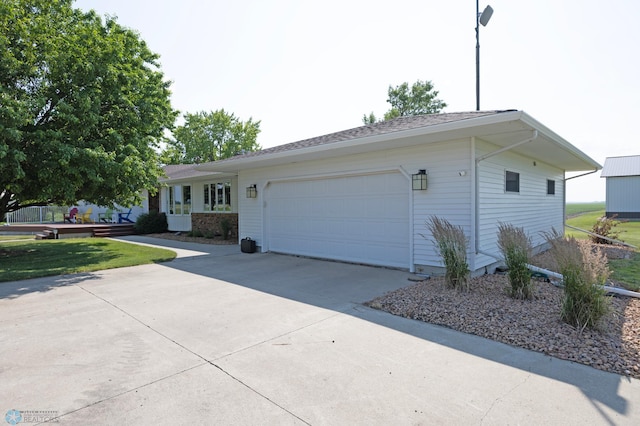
[[247, 245]]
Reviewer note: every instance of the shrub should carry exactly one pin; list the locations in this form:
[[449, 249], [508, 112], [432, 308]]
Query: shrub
[[584, 270], [150, 223], [605, 227], [225, 227], [195, 233], [515, 246], [451, 244]]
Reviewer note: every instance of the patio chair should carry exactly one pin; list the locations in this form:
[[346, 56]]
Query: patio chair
[[71, 216], [106, 217], [85, 217], [124, 217]]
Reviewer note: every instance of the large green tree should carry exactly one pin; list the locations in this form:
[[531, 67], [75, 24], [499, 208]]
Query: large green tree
[[419, 99], [211, 136], [82, 106]]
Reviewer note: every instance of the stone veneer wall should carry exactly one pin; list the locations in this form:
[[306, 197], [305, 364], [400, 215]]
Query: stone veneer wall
[[208, 223]]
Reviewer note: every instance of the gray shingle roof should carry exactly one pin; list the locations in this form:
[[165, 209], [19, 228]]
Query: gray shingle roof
[[399, 124], [385, 127], [621, 166]]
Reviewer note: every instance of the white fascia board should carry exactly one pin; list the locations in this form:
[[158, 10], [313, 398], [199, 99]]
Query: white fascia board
[[590, 163]]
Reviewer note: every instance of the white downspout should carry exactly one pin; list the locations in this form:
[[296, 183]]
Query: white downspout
[[616, 290], [412, 267], [564, 195], [474, 199]]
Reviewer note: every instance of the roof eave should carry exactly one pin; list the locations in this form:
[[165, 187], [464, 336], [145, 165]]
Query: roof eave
[[352, 145], [589, 163]]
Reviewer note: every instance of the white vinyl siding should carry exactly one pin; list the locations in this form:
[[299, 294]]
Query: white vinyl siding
[[448, 194], [531, 208]]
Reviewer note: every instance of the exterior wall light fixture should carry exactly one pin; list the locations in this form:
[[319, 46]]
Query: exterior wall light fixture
[[419, 180], [252, 191]]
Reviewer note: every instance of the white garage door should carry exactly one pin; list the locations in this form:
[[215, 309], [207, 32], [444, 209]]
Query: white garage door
[[354, 218]]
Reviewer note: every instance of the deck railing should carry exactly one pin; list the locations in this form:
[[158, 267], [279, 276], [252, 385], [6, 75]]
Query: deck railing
[[45, 214]]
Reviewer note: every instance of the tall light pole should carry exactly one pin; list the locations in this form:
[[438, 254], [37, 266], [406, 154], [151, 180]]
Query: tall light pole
[[481, 18]]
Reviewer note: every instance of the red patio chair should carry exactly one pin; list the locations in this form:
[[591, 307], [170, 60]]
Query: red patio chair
[[71, 216]]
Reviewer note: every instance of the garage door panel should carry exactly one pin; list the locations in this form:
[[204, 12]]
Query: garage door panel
[[354, 218]]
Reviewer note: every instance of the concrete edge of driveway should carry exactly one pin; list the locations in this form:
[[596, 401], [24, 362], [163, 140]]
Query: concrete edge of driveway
[[182, 249]]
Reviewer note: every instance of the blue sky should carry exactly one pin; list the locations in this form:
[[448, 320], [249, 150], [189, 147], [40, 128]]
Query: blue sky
[[308, 68]]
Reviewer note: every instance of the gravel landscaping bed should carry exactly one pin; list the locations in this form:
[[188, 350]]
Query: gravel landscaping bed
[[488, 311]]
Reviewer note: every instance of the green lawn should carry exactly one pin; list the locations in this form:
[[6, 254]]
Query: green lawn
[[630, 230], [573, 209], [16, 237], [624, 270], [31, 259]]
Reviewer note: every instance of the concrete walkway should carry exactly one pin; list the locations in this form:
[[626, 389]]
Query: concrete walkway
[[222, 337]]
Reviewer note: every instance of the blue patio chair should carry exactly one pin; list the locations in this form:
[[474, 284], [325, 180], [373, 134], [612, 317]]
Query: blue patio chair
[[124, 217]]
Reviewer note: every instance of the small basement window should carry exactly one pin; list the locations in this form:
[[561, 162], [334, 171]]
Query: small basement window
[[512, 181], [551, 187]]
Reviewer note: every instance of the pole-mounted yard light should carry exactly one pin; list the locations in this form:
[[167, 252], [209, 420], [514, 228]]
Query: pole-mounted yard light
[[481, 18]]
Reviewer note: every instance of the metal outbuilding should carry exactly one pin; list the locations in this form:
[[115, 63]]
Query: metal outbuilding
[[623, 186]]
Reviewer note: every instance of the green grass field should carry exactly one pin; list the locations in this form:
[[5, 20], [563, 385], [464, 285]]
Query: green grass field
[[21, 260], [624, 270], [573, 209], [630, 231]]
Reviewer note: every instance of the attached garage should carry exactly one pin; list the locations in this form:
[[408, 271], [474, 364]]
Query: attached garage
[[361, 218], [348, 195]]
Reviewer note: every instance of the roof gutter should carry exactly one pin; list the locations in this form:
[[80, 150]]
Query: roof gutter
[[584, 174], [564, 194], [477, 187]]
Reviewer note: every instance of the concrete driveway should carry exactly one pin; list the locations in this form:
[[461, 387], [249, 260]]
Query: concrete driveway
[[222, 337]]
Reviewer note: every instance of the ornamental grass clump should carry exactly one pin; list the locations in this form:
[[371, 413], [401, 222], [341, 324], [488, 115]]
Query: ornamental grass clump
[[584, 269], [451, 244], [605, 227], [515, 246]]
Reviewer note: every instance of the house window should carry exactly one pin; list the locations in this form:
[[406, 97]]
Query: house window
[[217, 197], [551, 187], [179, 200], [512, 181]]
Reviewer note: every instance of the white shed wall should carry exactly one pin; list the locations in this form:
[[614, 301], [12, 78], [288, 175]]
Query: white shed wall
[[531, 208], [623, 194]]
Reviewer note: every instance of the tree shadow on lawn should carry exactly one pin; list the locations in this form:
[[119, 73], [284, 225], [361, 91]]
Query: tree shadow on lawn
[[345, 287], [46, 264]]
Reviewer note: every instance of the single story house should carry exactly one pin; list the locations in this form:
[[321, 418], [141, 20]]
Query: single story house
[[364, 195], [623, 186]]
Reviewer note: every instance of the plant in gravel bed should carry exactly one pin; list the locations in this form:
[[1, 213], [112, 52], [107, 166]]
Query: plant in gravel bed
[[225, 228], [584, 270], [451, 244], [515, 246]]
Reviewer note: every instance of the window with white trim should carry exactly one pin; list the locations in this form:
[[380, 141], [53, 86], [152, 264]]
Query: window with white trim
[[217, 197], [512, 181], [179, 200]]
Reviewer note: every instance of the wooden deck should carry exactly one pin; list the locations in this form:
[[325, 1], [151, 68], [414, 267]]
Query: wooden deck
[[70, 230]]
